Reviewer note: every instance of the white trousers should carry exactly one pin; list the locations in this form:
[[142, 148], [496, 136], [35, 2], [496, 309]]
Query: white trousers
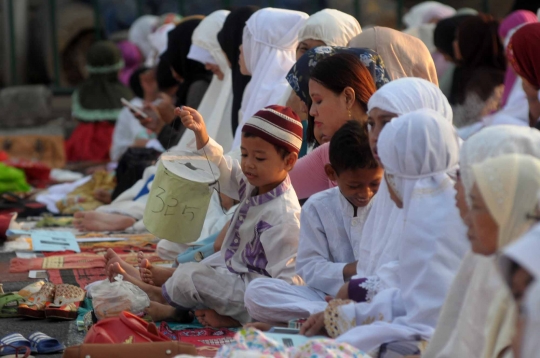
[[275, 301], [198, 286]]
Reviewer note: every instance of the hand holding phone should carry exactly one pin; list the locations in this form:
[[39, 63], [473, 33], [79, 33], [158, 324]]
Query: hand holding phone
[[134, 109]]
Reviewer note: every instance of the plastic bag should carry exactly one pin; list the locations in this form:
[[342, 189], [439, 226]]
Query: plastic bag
[[111, 298]]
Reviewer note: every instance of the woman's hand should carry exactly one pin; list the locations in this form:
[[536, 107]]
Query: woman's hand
[[153, 122], [314, 326], [191, 119]]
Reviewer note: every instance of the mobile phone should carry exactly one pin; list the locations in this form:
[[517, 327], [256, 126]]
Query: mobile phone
[[137, 110]]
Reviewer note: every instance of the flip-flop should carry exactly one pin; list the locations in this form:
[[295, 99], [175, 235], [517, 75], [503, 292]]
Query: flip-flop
[[9, 304], [13, 343], [66, 302], [41, 343]]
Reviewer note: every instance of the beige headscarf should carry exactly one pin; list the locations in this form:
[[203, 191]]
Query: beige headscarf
[[403, 55], [477, 319]]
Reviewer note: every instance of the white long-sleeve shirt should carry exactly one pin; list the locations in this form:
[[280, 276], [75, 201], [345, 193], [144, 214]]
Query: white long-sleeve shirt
[[263, 236], [329, 238]]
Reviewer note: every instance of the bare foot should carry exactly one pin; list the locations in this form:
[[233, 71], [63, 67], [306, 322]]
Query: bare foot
[[210, 318], [163, 312], [153, 292], [112, 258], [103, 195], [96, 221], [265, 327], [154, 275]]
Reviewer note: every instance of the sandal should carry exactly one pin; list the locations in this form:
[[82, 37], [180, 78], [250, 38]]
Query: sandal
[[9, 303], [36, 303], [15, 344], [43, 344], [66, 302]]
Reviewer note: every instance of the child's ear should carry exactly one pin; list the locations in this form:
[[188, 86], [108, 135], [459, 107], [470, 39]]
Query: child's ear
[[290, 161], [330, 172]]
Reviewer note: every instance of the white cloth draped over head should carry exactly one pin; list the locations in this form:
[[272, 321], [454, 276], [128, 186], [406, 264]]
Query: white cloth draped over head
[[426, 12], [403, 55], [269, 48], [383, 228], [140, 30], [216, 105], [478, 316], [508, 185], [158, 42], [333, 27], [525, 253], [416, 149], [409, 94], [492, 142]]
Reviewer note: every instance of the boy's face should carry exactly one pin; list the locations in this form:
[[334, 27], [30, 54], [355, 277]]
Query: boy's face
[[262, 165], [357, 185]]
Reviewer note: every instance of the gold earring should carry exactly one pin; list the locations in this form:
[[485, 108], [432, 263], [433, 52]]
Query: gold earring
[[350, 115]]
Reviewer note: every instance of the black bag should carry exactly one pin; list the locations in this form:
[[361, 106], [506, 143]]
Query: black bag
[[131, 167]]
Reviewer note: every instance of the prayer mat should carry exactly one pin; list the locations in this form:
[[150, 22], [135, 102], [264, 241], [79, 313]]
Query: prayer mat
[[206, 340], [68, 260]]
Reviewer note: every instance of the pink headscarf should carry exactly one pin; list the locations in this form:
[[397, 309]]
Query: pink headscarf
[[511, 22], [132, 58]]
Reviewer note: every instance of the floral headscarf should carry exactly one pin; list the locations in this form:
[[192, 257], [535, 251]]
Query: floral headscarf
[[299, 75]]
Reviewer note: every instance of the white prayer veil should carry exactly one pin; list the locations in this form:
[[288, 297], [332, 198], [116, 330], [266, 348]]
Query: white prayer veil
[[158, 42], [269, 48], [383, 228], [409, 94], [140, 30], [492, 142], [427, 11], [508, 185], [524, 252], [333, 27], [417, 150], [477, 319], [216, 105]]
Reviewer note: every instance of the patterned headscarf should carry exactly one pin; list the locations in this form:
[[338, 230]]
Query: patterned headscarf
[[299, 75]]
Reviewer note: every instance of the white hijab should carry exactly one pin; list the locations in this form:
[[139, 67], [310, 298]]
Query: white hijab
[[333, 27], [158, 43], [384, 225], [417, 149], [269, 47], [525, 253], [140, 30], [477, 317], [427, 11], [409, 94], [215, 107]]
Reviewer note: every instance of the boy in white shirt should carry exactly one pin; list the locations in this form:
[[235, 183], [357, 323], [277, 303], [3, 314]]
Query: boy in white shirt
[[331, 224], [263, 236]]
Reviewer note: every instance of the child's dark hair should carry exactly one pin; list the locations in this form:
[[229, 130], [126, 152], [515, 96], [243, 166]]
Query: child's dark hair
[[349, 148], [283, 152], [135, 82]]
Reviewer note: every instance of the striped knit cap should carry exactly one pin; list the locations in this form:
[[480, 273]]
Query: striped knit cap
[[277, 125]]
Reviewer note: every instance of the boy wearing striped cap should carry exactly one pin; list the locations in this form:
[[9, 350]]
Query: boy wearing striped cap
[[263, 236]]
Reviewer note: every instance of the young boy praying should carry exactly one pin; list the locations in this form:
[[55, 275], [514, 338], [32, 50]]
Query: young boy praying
[[263, 236], [331, 224]]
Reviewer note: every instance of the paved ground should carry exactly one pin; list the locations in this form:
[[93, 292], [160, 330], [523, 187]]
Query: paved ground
[[64, 331]]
